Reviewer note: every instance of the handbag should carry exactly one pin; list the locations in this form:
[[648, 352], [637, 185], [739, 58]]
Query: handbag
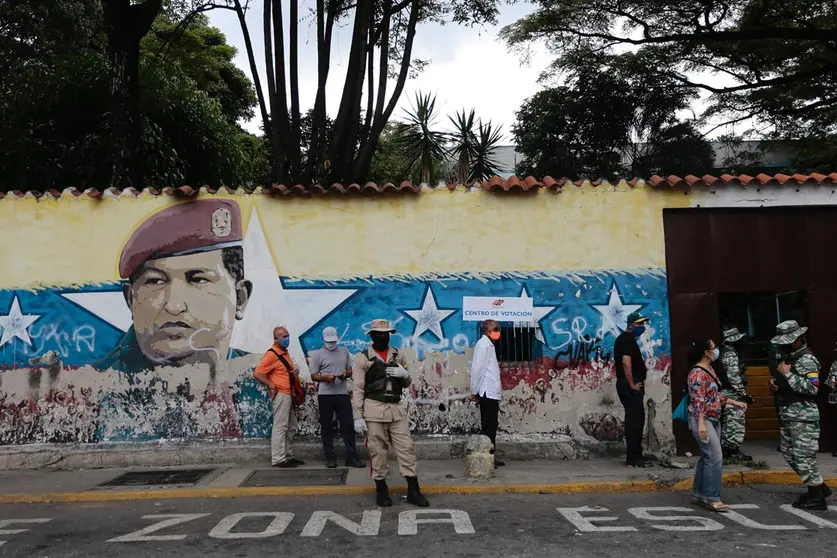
[[297, 391], [681, 412]]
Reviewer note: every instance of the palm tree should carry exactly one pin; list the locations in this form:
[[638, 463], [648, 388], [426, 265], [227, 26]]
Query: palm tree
[[484, 164], [464, 143], [423, 146]]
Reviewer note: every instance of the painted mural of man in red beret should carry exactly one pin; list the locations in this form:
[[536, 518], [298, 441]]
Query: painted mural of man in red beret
[[185, 287]]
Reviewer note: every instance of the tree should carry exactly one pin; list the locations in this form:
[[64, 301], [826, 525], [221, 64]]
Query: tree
[[484, 164], [604, 121], [126, 23], [54, 125], [464, 143], [779, 56], [422, 144], [383, 33]]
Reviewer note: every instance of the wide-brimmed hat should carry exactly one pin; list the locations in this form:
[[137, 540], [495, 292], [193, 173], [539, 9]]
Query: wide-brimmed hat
[[380, 325], [788, 332], [732, 335]]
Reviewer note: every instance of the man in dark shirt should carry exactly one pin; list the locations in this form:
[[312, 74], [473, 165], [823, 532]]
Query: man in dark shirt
[[630, 385]]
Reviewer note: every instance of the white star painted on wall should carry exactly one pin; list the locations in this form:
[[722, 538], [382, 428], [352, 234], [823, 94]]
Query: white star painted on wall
[[429, 317], [270, 305], [539, 313], [16, 324], [614, 313]]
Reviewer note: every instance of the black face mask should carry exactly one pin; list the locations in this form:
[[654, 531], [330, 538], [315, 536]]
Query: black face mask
[[380, 340]]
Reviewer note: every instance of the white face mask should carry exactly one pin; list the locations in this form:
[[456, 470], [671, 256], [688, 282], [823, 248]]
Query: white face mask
[[331, 345], [716, 353]]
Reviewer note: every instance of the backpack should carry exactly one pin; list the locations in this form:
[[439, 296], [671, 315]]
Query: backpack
[[297, 391]]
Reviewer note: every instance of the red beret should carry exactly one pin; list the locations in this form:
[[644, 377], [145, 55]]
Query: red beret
[[186, 228]]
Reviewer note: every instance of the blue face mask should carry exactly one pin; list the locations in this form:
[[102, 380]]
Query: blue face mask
[[283, 342], [638, 330]]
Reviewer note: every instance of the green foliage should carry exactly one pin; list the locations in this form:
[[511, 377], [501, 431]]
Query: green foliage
[[604, 121], [54, 124], [484, 165], [422, 144]]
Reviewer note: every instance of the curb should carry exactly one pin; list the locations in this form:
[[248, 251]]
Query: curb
[[729, 479]]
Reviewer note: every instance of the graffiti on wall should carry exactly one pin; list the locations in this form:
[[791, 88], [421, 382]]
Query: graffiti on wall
[[168, 351]]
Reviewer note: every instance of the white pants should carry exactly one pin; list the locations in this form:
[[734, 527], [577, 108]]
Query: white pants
[[284, 426]]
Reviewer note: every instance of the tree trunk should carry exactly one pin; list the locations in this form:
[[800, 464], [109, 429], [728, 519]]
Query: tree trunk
[[317, 149], [125, 26], [367, 150]]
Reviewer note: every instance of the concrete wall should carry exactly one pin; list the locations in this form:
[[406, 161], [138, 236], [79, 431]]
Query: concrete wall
[[587, 255]]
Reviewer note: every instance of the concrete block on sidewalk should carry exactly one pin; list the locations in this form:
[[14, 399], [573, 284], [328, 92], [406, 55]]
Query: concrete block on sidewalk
[[479, 459]]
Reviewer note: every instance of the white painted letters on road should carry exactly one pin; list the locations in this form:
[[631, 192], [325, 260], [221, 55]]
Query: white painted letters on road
[[7, 522], [747, 522], [585, 524], [280, 521], [408, 521], [808, 516], [368, 526], [705, 524], [169, 520]]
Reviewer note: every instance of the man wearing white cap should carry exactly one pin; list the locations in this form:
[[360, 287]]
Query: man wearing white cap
[[380, 376], [331, 367]]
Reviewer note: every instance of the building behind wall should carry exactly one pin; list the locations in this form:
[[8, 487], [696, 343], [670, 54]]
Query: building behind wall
[[587, 255]]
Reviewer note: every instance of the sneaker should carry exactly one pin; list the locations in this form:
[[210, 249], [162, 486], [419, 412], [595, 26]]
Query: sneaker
[[331, 463], [296, 461], [638, 462], [287, 464]]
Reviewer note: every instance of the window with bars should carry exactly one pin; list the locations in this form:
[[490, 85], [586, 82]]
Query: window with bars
[[757, 315], [517, 344]]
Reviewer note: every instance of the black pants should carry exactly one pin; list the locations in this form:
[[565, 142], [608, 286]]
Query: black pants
[[342, 405], [634, 403], [489, 418]]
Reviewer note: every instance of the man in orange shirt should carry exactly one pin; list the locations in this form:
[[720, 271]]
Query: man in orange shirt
[[274, 373]]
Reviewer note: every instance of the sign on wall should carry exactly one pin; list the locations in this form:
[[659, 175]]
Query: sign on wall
[[508, 309]]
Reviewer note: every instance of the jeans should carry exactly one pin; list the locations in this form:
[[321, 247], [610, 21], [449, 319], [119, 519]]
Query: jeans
[[342, 406], [710, 466], [489, 419], [634, 403]]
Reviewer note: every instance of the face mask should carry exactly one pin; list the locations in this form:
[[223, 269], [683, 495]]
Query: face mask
[[283, 342], [331, 345], [716, 352], [380, 340], [494, 335], [638, 330]]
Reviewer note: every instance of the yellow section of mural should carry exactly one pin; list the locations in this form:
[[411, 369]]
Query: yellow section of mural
[[76, 241]]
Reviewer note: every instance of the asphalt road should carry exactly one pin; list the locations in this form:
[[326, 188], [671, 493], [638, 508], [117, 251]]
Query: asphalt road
[[496, 525]]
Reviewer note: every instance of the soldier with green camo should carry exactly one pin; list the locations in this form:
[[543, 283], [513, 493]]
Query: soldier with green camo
[[796, 387], [733, 378]]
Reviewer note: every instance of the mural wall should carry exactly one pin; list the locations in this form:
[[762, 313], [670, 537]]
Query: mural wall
[[141, 318]]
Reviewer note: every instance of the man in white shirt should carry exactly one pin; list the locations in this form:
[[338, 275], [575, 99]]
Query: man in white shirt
[[485, 382]]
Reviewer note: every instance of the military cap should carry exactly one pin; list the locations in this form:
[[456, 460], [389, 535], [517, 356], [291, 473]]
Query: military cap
[[182, 229]]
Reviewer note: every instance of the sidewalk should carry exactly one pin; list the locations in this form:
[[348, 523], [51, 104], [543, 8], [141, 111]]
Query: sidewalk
[[436, 477]]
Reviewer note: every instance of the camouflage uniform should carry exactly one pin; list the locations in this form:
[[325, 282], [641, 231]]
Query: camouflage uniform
[[798, 412], [831, 382], [735, 388]]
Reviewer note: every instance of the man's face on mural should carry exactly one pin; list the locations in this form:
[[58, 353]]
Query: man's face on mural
[[184, 307]]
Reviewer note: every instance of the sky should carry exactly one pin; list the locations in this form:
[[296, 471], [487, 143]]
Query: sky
[[469, 67]]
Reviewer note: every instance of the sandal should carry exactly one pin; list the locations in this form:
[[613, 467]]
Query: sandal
[[716, 506]]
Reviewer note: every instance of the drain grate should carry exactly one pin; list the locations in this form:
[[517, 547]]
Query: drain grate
[[165, 477], [296, 477]]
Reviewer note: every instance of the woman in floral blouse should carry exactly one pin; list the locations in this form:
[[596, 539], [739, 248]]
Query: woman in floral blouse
[[706, 403]]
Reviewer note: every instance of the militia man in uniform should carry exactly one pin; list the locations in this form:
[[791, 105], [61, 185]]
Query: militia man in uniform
[[185, 287], [831, 382], [796, 389], [380, 375], [733, 378]]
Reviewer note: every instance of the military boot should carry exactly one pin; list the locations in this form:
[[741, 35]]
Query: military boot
[[382, 494], [826, 492], [815, 500], [414, 495]]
